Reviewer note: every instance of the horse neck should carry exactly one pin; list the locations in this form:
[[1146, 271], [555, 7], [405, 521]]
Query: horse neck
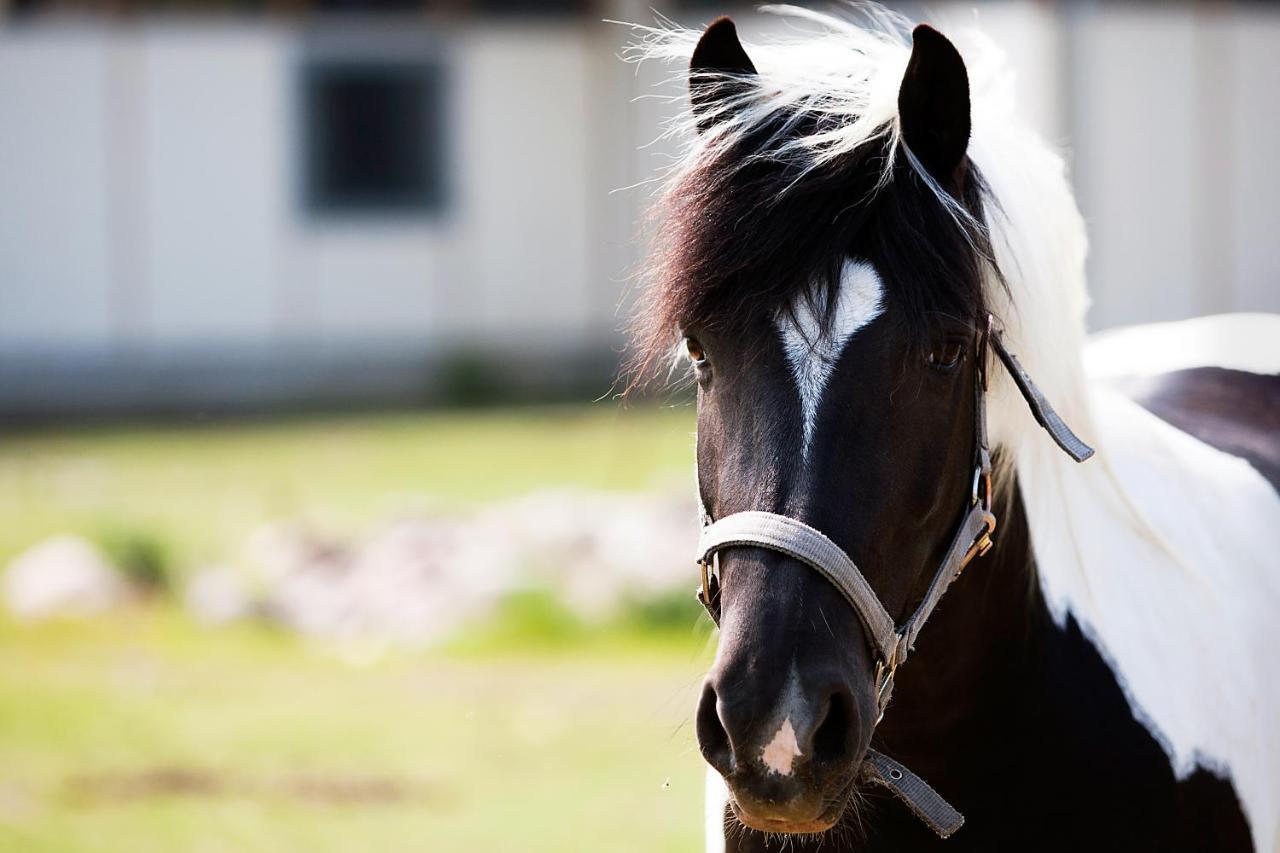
[[970, 657]]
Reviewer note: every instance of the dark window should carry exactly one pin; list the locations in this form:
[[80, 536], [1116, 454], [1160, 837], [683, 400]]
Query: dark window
[[374, 136]]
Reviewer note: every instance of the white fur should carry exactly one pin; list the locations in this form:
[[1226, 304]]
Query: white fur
[[812, 350], [1248, 342], [1161, 547], [717, 797], [781, 752]]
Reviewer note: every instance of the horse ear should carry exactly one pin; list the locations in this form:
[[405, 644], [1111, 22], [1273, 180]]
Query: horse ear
[[718, 69], [933, 105]]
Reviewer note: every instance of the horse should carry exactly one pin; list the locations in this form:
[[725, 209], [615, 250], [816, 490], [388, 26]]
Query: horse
[[874, 278]]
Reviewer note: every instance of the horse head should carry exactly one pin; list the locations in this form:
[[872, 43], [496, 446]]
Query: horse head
[[828, 310]]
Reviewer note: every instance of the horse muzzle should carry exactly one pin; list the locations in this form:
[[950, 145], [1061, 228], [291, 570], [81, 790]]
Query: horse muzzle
[[790, 763]]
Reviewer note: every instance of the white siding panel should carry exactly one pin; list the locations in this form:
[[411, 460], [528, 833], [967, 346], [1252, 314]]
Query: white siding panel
[[217, 181], [371, 283], [1256, 160], [54, 286], [524, 125], [1135, 165]]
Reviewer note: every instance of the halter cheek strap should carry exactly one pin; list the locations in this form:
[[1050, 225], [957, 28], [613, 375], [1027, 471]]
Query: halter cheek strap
[[891, 642]]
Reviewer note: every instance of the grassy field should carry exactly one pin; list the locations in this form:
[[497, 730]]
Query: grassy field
[[142, 731], [193, 491]]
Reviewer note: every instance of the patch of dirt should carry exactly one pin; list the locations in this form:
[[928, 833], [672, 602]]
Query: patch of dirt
[[151, 782], [312, 788], [339, 790]]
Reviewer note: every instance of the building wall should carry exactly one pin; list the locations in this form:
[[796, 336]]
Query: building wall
[[152, 223], [55, 251], [154, 248], [1174, 135]]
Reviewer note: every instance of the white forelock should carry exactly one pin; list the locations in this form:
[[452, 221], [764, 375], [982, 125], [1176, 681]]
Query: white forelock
[[1161, 547]]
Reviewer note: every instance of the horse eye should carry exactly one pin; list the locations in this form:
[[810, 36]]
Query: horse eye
[[694, 350], [946, 356]]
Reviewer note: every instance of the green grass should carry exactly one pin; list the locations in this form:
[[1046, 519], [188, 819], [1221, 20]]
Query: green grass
[[143, 732], [191, 493]]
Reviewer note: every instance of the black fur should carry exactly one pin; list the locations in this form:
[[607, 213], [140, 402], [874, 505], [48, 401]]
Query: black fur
[[1234, 411], [719, 68], [1021, 724], [933, 105]]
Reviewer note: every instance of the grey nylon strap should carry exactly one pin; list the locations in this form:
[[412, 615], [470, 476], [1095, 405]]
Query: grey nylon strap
[[809, 546], [924, 802], [975, 522], [1044, 412]]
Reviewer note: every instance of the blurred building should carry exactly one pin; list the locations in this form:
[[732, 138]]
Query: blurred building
[[221, 206]]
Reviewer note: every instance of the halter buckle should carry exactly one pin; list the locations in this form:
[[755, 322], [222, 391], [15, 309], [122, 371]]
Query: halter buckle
[[982, 544], [709, 573], [884, 686], [886, 667], [985, 541]]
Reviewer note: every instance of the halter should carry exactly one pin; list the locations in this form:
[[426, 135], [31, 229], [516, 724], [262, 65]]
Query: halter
[[892, 643]]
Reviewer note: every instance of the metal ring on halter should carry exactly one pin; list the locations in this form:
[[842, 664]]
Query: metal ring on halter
[[883, 681], [714, 572], [981, 478]]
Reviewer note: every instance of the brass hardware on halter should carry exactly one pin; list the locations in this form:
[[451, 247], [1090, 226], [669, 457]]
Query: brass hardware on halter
[[883, 682], [982, 544]]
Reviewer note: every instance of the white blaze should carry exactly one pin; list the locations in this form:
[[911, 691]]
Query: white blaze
[[782, 750], [812, 351]]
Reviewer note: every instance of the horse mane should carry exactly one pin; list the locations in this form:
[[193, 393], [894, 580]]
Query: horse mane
[[1161, 548], [823, 111], [783, 176]]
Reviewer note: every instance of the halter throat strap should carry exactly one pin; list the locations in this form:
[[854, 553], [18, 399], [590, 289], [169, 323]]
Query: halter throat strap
[[892, 643]]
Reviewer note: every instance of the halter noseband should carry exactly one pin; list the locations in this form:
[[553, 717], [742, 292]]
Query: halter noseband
[[891, 642]]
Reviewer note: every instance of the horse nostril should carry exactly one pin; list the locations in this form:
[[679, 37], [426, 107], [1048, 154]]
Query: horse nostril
[[713, 740], [835, 738]]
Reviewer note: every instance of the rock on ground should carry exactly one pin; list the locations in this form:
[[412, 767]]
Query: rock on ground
[[62, 576], [414, 580]]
